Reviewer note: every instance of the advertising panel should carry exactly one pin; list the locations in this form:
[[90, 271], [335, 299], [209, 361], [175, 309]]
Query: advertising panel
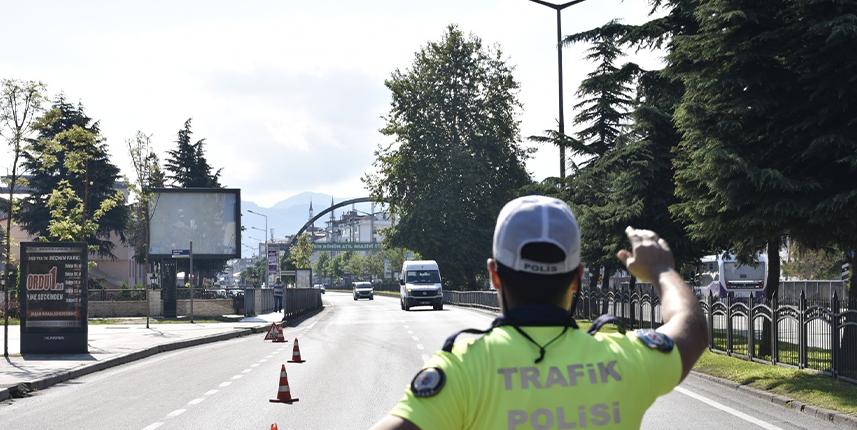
[[53, 297], [346, 246], [208, 217], [272, 261]]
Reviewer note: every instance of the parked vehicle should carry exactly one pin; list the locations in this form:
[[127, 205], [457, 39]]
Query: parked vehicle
[[319, 287], [420, 285], [364, 290], [722, 275]]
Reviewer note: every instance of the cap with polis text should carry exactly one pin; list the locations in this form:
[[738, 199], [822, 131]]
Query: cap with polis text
[[536, 219]]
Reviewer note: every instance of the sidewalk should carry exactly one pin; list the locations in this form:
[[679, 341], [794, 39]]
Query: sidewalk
[[111, 345]]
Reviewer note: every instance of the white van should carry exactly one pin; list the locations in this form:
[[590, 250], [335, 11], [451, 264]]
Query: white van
[[420, 285]]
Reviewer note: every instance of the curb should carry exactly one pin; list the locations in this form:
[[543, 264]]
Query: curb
[[834, 417], [39, 384]]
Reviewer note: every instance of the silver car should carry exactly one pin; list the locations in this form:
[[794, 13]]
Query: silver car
[[363, 290]]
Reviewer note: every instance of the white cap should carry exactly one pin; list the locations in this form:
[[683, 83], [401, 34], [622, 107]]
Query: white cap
[[533, 219]]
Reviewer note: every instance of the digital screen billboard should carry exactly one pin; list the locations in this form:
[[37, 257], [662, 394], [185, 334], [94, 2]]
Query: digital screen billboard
[[210, 218], [53, 297]]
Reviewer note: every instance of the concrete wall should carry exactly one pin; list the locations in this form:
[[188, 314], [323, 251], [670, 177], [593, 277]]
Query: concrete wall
[[208, 307], [129, 308], [137, 308]]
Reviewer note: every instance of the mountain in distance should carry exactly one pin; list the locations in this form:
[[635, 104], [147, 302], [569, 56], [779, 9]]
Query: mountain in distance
[[286, 217]]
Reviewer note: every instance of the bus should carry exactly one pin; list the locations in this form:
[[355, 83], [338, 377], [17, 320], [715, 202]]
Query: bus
[[722, 275]]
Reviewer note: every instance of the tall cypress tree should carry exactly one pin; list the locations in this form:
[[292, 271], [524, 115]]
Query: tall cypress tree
[[95, 185]]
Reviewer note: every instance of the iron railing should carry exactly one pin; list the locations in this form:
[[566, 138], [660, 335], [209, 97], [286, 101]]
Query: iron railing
[[299, 301], [114, 295], [812, 333]]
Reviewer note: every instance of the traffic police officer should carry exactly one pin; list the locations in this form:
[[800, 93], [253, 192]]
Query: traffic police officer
[[534, 369]]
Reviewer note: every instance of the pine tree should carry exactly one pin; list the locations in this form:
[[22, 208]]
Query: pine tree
[[187, 165], [182, 161], [67, 137], [607, 95]]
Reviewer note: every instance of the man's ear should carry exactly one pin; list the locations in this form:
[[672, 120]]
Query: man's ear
[[578, 279], [492, 274]]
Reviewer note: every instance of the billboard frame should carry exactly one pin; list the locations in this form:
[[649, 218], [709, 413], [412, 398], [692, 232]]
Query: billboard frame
[[235, 191]]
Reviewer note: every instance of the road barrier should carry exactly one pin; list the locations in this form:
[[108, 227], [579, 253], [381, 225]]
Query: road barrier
[[815, 334], [478, 299], [300, 301]]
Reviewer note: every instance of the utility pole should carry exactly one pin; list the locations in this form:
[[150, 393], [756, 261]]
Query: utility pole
[[558, 8]]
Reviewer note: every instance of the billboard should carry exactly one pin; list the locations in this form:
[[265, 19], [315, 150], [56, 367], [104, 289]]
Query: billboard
[[53, 293], [346, 246], [210, 217]]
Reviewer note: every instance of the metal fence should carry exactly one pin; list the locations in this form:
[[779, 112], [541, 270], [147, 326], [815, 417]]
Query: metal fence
[[818, 333], [113, 295], [478, 299], [299, 301]]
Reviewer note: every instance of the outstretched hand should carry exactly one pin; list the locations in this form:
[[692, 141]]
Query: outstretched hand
[[649, 257]]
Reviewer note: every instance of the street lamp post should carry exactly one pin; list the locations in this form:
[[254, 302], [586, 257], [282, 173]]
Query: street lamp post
[[266, 240], [558, 8]]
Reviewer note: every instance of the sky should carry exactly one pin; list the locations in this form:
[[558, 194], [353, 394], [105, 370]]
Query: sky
[[289, 95]]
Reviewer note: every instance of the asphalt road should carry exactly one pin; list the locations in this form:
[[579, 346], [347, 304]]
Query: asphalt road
[[360, 356]]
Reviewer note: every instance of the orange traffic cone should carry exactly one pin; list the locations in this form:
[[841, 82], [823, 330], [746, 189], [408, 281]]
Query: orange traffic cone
[[274, 427], [280, 338], [296, 353], [284, 395]]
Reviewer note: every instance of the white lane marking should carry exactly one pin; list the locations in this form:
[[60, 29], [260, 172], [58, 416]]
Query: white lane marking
[[176, 413], [420, 346], [254, 365], [153, 426], [225, 384], [246, 370], [195, 401], [211, 392], [407, 326], [237, 376], [263, 360], [415, 338], [763, 424], [410, 332]]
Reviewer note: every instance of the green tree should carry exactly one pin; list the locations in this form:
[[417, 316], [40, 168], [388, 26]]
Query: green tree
[[820, 133], [20, 102], [147, 175], [187, 165], [73, 181], [607, 96], [807, 263], [456, 147], [604, 115], [322, 265], [735, 174], [301, 252]]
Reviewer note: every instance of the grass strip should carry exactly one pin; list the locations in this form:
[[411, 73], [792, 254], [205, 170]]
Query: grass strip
[[804, 386]]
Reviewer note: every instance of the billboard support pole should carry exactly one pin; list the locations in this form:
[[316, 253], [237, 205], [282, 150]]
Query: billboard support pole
[[190, 272]]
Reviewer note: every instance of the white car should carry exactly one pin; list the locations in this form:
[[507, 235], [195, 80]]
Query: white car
[[420, 285], [363, 290]]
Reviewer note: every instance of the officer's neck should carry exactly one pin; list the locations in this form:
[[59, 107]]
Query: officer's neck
[[537, 315]]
